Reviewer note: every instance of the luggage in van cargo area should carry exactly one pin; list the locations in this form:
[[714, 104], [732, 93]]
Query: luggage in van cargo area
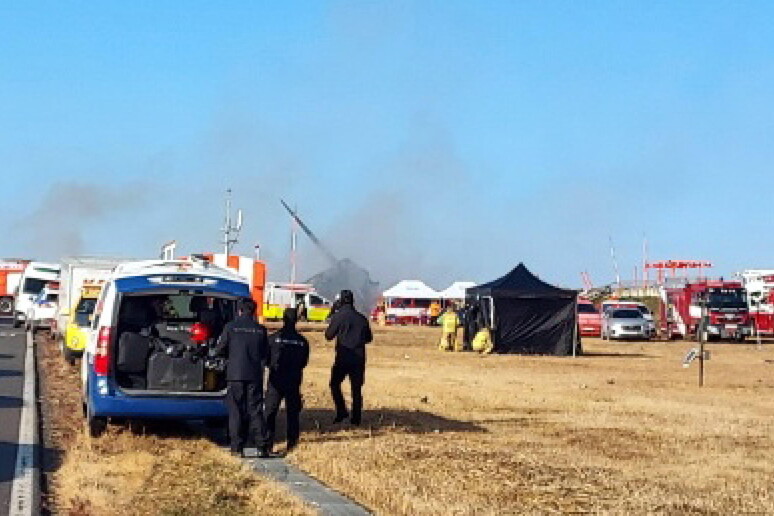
[[133, 352], [175, 373]]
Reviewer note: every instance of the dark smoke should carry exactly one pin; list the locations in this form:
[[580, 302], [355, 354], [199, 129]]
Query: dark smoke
[[346, 274], [68, 211]]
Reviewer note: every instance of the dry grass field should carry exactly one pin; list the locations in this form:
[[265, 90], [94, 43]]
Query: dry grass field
[[623, 429]]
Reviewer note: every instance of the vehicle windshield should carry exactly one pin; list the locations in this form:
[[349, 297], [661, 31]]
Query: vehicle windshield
[[83, 311], [585, 308], [629, 313], [643, 309], [317, 301], [34, 285], [727, 298]]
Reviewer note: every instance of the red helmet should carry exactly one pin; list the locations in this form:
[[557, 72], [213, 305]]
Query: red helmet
[[200, 333]]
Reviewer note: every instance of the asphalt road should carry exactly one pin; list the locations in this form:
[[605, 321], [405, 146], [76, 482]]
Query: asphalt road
[[12, 347]]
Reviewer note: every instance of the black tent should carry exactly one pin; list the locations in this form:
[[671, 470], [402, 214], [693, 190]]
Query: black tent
[[528, 315]]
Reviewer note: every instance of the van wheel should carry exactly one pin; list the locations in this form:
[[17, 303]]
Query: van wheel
[[95, 425], [68, 356]]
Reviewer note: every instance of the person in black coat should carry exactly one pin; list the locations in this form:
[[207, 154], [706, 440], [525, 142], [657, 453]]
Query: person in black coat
[[288, 356], [352, 332], [245, 344]]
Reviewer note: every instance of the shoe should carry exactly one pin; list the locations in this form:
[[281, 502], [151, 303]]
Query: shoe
[[264, 453], [340, 417]]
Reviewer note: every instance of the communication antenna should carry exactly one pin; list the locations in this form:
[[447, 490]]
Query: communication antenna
[[231, 230], [615, 263]]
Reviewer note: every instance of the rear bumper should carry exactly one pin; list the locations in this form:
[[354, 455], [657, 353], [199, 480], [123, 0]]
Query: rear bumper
[[117, 404], [590, 330], [43, 323]]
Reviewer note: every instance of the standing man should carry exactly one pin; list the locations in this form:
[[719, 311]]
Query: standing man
[[352, 332], [288, 356], [434, 310], [245, 343]]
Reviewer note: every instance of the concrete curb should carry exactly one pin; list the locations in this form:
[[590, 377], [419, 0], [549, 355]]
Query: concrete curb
[[25, 491], [327, 501]]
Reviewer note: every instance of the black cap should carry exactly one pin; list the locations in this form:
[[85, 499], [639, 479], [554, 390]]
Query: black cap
[[290, 316], [247, 306], [346, 297]]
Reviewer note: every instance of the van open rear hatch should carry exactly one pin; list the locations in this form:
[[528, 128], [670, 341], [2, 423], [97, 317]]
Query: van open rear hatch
[[163, 342]]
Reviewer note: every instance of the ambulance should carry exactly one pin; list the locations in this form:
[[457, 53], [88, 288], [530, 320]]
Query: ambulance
[[294, 295]]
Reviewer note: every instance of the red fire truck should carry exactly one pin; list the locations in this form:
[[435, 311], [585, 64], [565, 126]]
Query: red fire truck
[[728, 316], [759, 284], [10, 274]]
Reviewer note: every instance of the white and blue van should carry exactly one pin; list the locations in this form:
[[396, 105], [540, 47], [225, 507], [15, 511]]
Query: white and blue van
[[146, 357]]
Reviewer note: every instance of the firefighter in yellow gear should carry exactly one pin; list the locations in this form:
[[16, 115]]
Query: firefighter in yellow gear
[[449, 321], [482, 342]]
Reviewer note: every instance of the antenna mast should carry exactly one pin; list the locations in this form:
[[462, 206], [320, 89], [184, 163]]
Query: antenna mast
[[231, 231]]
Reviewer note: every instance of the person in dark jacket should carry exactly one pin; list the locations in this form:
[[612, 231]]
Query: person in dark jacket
[[288, 356], [352, 332], [245, 344]]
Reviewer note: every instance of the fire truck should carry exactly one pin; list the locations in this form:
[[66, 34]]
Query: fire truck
[[759, 284], [724, 303], [10, 275]]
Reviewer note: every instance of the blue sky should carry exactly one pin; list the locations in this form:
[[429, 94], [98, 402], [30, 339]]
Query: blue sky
[[435, 140]]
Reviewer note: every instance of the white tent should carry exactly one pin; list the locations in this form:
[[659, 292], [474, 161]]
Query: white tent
[[457, 290], [411, 289]]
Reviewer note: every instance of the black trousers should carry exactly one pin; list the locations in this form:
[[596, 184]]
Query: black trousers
[[291, 393], [245, 414], [356, 373]]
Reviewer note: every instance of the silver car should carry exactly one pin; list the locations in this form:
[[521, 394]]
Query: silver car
[[625, 323]]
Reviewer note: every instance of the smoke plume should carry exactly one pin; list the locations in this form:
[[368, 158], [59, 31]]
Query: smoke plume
[[69, 211]]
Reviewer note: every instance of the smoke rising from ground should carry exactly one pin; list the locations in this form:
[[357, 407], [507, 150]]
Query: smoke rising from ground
[[70, 212]]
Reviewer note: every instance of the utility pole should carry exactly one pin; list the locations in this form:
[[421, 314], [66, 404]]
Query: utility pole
[[231, 230], [293, 246]]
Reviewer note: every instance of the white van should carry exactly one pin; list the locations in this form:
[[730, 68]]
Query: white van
[[34, 278]]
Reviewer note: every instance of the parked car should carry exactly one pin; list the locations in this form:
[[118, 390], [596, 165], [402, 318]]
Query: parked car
[[35, 276], [78, 327], [613, 304], [625, 323], [40, 314], [148, 354], [589, 319]]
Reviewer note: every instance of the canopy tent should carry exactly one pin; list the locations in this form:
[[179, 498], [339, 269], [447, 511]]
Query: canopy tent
[[411, 289], [456, 290], [527, 315]]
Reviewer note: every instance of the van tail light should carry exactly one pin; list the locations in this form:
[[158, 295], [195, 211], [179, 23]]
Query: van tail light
[[102, 356]]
